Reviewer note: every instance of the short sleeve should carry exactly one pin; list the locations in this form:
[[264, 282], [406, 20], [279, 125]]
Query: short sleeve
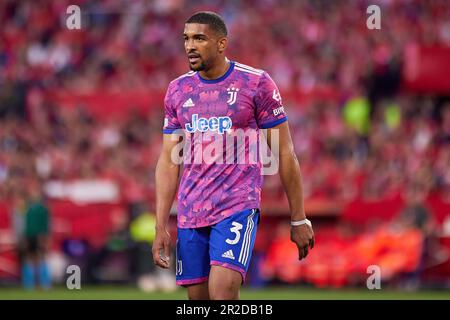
[[171, 122], [269, 107]]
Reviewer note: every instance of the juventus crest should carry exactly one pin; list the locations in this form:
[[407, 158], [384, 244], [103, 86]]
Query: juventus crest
[[233, 95]]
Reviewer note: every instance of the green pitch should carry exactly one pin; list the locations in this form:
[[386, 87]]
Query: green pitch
[[273, 293]]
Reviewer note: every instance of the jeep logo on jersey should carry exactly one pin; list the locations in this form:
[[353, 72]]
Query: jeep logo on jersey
[[219, 124], [233, 95]]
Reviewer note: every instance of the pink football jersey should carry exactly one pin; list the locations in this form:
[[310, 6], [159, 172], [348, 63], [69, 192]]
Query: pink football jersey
[[243, 98]]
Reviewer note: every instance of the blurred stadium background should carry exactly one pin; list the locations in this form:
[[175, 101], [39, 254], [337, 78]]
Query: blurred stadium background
[[80, 131]]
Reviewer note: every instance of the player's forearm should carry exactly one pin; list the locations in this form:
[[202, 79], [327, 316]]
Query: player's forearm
[[292, 182], [166, 179]]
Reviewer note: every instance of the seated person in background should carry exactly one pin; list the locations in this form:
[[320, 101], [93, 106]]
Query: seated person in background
[[112, 261], [142, 231], [417, 216]]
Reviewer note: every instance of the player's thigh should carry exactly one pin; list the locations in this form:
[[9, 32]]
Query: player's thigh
[[192, 265], [231, 245]]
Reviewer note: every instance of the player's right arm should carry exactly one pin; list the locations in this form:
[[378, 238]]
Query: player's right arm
[[166, 178]]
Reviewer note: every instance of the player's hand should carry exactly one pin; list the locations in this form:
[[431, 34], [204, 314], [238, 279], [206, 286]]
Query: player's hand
[[161, 249], [303, 237]]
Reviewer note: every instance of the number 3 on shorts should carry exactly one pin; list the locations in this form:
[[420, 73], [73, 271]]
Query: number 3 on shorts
[[235, 229]]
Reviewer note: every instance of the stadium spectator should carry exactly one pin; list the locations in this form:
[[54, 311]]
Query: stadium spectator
[[112, 261], [35, 268]]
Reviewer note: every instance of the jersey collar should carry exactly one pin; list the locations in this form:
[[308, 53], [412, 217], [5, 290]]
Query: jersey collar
[[230, 69]]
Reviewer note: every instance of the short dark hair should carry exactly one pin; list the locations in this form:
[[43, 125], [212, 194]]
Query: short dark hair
[[212, 19]]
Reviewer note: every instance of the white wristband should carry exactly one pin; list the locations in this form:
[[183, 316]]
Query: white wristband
[[300, 222]]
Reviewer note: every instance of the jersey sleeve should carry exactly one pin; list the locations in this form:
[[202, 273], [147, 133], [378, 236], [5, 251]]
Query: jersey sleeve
[[171, 122], [269, 107]]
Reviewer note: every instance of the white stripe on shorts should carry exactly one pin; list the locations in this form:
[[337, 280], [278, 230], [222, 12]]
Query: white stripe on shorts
[[247, 234]]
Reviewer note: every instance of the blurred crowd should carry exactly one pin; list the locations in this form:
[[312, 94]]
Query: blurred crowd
[[371, 134], [408, 148], [403, 149], [138, 44], [373, 141], [67, 144]]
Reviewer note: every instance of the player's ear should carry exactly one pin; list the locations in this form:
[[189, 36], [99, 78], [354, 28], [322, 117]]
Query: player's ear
[[222, 44]]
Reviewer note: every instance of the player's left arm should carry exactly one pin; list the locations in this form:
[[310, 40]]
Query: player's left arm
[[291, 178], [270, 114]]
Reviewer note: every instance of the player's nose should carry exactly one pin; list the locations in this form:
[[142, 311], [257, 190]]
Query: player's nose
[[189, 45]]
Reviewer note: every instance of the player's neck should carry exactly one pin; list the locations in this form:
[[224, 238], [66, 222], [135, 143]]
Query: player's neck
[[218, 70]]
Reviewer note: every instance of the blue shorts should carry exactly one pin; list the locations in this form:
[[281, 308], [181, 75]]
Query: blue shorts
[[229, 244]]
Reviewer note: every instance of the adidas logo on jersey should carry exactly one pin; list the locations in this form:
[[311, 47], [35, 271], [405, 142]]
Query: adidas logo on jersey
[[229, 254], [188, 103]]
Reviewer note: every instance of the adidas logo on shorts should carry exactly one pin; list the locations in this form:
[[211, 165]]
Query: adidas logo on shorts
[[229, 254]]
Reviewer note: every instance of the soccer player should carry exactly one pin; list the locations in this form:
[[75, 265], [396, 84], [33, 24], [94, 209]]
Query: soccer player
[[218, 203]]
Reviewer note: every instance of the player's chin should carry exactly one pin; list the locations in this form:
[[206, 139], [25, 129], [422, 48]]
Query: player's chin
[[196, 66]]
